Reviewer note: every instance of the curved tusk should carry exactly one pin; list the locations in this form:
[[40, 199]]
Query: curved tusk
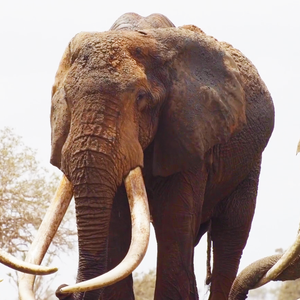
[[140, 219], [45, 234], [22, 266], [286, 259]]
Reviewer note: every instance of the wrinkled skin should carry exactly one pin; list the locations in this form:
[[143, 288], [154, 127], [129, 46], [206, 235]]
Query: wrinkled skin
[[194, 113], [251, 275]]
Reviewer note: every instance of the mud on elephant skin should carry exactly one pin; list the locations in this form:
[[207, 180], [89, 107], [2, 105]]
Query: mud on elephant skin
[[194, 115]]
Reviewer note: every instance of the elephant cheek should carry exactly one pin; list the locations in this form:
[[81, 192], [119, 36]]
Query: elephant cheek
[[133, 157]]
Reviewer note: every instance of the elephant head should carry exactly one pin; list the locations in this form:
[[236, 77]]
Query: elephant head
[[117, 94]]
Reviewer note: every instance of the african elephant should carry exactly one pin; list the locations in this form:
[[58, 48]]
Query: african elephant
[[195, 116]]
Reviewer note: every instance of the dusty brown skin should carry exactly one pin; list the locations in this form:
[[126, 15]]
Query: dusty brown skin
[[194, 113]]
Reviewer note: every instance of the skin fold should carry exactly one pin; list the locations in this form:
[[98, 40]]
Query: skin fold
[[194, 114]]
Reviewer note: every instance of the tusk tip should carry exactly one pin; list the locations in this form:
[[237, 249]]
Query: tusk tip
[[60, 294], [52, 270]]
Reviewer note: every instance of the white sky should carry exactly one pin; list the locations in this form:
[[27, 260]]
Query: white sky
[[34, 35]]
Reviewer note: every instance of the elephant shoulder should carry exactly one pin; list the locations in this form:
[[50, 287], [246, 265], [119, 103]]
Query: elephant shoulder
[[248, 71]]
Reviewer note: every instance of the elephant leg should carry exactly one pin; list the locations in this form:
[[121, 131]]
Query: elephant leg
[[230, 229], [176, 216], [118, 245]]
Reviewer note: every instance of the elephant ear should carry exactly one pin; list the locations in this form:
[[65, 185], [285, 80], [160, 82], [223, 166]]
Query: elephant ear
[[60, 114], [206, 102], [60, 126]]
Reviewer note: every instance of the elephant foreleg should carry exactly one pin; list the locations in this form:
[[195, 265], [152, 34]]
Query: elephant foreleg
[[176, 212], [230, 229]]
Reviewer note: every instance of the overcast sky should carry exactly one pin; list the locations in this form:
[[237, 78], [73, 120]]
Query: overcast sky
[[34, 35]]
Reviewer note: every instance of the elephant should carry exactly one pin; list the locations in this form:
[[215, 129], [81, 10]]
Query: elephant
[[155, 122]]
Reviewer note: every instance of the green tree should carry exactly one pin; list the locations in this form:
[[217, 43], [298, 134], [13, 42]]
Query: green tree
[[144, 285], [25, 193]]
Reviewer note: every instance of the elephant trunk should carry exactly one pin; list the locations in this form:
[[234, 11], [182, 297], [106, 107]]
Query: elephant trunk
[[96, 161], [140, 218], [250, 276], [95, 180]]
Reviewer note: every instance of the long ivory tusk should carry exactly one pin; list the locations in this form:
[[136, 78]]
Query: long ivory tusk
[[140, 218], [286, 259], [45, 234], [22, 266]]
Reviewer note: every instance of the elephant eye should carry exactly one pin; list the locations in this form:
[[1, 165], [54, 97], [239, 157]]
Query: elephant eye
[[140, 96], [142, 100]]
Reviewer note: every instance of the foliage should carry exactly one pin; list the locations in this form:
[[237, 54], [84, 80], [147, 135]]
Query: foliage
[[144, 285], [42, 285], [290, 290], [25, 193], [269, 291]]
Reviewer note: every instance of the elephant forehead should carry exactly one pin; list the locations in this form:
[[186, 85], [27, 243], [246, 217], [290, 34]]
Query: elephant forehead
[[101, 63], [107, 53]]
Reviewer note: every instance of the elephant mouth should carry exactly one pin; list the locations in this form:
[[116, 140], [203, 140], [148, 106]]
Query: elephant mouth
[[140, 219]]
